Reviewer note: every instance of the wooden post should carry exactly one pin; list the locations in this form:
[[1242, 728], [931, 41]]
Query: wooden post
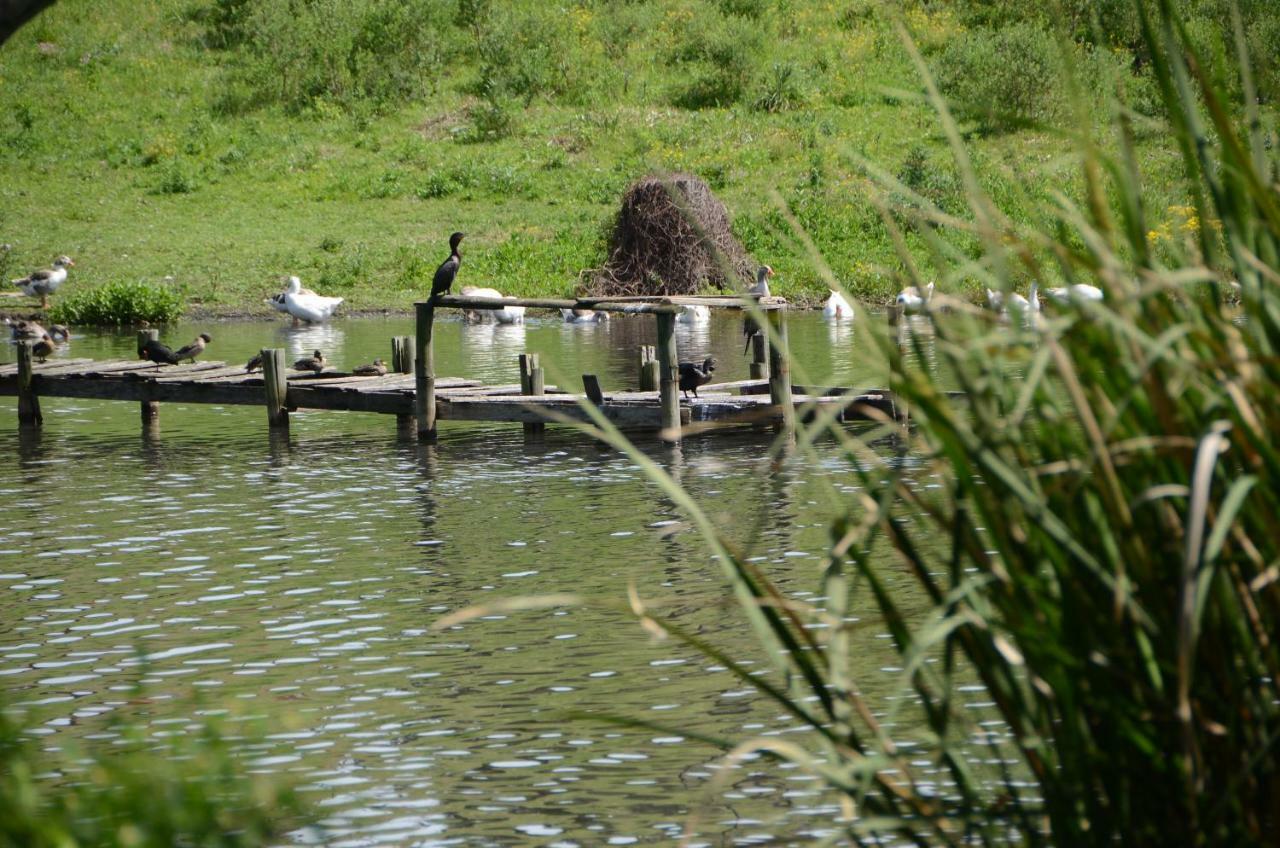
[[668, 376], [780, 367], [28, 402], [648, 369], [402, 358], [532, 382], [759, 357], [274, 379], [591, 385], [425, 374], [149, 409]]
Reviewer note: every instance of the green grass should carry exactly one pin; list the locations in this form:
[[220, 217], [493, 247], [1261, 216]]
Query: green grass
[[143, 152]]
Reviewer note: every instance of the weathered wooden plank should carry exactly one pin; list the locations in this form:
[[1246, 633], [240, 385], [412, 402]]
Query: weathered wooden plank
[[45, 367], [386, 403], [108, 388], [531, 410], [207, 374], [171, 372]]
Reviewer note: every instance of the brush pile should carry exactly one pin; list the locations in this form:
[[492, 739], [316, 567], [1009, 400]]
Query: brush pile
[[672, 237]]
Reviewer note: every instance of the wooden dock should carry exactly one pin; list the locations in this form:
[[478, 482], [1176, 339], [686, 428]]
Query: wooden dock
[[420, 398]]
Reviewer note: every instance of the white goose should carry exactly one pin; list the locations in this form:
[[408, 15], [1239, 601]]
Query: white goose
[[761, 287], [45, 282], [911, 299], [837, 308], [583, 316], [506, 315], [304, 304], [694, 314], [1075, 293]]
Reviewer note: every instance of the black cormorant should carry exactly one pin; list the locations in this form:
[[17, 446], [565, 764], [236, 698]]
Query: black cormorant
[[443, 280]]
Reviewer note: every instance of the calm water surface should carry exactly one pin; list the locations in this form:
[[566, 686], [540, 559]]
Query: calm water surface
[[208, 568]]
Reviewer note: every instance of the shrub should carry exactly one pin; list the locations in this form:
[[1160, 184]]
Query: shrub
[[119, 303], [779, 90], [1007, 78], [526, 55], [723, 55]]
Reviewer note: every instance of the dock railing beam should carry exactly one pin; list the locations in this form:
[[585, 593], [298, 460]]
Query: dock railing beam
[[425, 374], [28, 402], [668, 376], [275, 381], [780, 368], [148, 409]]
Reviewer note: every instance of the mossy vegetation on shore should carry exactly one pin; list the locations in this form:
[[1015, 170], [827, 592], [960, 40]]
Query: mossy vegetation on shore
[[224, 144]]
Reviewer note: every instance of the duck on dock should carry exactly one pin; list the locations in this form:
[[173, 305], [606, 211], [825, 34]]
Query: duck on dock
[[254, 364], [913, 299], [442, 282], [158, 352], [45, 282], [837, 308], [304, 304], [194, 349], [377, 368], [691, 376], [44, 348], [314, 363]]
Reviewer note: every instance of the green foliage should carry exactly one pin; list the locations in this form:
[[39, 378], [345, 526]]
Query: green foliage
[[119, 303], [192, 792], [1009, 77], [721, 56]]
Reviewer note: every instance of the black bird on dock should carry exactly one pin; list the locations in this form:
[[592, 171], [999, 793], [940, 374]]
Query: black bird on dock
[[314, 363], [157, 352], [691, 376], [443, 280], [254, 364], [44, 348], [194, 349]]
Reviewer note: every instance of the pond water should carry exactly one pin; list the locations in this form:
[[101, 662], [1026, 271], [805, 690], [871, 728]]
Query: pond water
[[209, 568]]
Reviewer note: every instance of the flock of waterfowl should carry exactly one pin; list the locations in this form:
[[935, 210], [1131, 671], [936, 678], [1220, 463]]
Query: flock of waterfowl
[[303, 304]]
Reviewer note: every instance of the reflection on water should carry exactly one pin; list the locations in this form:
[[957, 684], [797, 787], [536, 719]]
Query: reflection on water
[[297, 573]]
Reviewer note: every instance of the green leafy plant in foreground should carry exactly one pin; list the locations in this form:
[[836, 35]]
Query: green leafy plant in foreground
[[119, 303], [194, 793], [1100, 552]]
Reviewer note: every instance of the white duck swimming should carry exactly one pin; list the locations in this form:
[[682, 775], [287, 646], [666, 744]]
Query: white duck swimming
[[583, 316], [506, 315], [304, 304], [837, 308], [911, 299], [1028, 307], [694, 314], [1075, 293]]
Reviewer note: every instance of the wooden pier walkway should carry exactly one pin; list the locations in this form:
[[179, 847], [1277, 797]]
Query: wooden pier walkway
[[419, 398]]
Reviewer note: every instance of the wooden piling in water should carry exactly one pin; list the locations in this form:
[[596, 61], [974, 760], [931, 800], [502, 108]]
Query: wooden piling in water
[[780, 367], [28, 402], [668, 376], [532, 382], [275, 381], [648, 369], [402, 359], [759, 357], [148, 409], [591, 386], [425, 374]]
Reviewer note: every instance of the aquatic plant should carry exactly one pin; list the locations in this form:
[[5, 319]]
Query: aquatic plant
[[1099, 551], [119, 303]]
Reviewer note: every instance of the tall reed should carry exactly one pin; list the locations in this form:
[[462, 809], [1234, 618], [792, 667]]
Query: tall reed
[[1109, 565]]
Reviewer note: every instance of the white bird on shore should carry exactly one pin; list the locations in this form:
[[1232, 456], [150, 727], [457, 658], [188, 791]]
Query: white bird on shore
[[1075, 293], [45, 282], [837, 308], [911, 299], [304, 304]]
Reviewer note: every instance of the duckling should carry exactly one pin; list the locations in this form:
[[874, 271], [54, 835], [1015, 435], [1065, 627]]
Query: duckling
[[377, 368], [157, 352], [254, 363], [691, 376], [44, 348], [194, 349], [314, 363], [45, 282]]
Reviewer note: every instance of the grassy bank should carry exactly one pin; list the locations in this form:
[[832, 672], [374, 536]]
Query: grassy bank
[[179, 138]]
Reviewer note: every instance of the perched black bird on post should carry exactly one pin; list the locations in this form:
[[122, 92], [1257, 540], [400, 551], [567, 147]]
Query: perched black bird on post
[[691, 376], [194, 349], [157, 352], [443, 280]]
